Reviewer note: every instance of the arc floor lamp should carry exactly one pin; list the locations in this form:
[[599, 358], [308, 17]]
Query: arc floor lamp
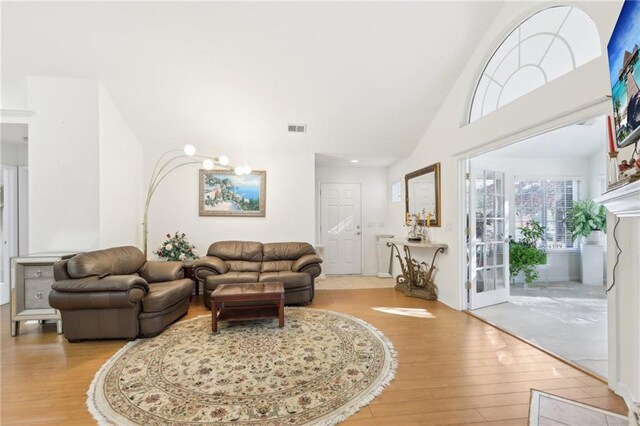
[[172, 160]]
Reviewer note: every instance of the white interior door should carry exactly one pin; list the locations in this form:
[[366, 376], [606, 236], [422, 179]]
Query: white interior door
[[340, 228], [23, 210], [9, 227], [489, 248]]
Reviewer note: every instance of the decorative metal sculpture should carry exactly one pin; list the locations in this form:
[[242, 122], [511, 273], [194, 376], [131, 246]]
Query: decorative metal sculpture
[[416, 279]]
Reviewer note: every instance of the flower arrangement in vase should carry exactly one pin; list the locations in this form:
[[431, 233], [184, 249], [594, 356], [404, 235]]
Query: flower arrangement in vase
[[177, 247]]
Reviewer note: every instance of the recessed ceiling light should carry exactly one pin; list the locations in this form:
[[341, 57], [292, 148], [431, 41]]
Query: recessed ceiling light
[[355, 161]]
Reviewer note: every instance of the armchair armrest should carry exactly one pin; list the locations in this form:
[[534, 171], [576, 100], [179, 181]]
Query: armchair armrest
[[60, 270], [304, 261], [212, 263], [96, 284], [159, 271]]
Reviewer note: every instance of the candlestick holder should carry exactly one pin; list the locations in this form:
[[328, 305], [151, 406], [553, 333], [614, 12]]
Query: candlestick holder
[[613, 168], [426, 237]]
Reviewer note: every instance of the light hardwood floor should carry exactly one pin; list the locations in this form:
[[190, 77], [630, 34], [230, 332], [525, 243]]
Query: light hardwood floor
[[453, 368]]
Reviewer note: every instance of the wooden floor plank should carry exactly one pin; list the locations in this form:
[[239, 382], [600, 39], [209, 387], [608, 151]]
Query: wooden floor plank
[[508, 412], [453, 368]]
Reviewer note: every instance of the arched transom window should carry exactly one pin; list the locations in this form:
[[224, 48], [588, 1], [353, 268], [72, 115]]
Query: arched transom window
[[549, 44]]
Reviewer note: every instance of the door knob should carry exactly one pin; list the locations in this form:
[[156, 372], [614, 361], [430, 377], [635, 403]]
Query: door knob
[[358, 233]]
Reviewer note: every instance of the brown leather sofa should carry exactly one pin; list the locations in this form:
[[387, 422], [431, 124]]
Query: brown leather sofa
[[294, 264], [116, 293]]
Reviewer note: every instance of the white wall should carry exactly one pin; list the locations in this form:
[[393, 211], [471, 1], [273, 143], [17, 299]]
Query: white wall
[[375, 196], [64, 164], [569, 99], [598, 184], [121, 177], [290, 202], [85, 168], [597, 173]]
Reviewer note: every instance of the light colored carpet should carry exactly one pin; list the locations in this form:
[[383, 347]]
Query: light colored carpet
[[319, 369], [550, 410], [569, 320]]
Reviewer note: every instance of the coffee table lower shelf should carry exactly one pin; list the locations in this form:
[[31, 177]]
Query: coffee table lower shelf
[[242, 313], [263, 301]]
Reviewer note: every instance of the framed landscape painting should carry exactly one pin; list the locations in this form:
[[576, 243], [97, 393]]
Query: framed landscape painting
[[223, 193]]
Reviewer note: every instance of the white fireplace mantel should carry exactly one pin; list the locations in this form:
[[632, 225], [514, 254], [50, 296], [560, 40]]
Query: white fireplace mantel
[[623, 329], [623, 201]]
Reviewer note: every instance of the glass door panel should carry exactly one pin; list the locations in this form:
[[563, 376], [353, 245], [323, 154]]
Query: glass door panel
[[489, 267]]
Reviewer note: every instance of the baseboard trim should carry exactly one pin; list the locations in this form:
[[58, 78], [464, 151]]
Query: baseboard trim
[[383, 275], [625, 393]]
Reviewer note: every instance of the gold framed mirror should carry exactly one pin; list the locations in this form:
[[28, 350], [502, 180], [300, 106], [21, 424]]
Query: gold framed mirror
[[422, 191]]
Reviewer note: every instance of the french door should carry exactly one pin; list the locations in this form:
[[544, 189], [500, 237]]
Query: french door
[[488, 244], [340, 228]]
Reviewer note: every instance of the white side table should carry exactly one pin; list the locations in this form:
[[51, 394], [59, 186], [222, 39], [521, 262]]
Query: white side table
[[31, 280], [384, 256]]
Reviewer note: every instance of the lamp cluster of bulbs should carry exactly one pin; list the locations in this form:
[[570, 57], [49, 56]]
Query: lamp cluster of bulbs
[[223, 160]]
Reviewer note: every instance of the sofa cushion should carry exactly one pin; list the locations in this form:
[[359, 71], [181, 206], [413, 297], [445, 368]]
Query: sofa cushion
[[244, 266], [164, 295], [231, 277], [286, 251], [276, 265], [287, 278], [113, 261], [160, 271], [249, 251]]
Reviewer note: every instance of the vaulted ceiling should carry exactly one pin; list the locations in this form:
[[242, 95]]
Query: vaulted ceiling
[[367, 78]]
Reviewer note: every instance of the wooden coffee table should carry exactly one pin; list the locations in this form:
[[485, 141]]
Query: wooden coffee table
[[237, 302]]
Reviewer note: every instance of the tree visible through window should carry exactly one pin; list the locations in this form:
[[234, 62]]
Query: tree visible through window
[[546, 202]]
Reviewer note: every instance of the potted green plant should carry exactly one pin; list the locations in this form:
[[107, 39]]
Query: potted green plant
[[525, 254], [587, 220]]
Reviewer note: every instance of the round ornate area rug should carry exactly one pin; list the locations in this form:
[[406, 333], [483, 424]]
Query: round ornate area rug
[[319, 369]]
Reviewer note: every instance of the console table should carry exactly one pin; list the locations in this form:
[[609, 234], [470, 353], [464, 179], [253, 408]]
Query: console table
[[416, 279]]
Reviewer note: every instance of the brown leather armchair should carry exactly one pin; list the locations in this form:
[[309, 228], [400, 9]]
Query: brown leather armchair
[[116, 293], [294, 264]]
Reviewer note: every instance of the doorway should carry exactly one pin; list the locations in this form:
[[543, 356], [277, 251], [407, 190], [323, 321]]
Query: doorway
[[341, 228], [561, 307], [14, 197]]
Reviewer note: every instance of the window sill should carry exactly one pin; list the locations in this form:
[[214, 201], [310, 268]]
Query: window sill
[[565, 251]]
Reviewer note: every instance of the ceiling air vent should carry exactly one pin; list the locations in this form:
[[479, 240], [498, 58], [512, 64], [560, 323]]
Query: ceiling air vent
[[297, 128]]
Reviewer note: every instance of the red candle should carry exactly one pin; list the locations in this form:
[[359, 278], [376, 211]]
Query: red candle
[[612, 147]]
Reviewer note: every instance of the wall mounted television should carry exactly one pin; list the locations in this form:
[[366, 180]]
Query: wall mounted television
[[624, 72]]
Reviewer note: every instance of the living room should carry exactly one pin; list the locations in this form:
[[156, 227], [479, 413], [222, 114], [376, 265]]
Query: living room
[[106, 89]]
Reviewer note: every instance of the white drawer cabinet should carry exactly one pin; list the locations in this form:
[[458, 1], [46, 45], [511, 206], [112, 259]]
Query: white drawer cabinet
[[31, 280]]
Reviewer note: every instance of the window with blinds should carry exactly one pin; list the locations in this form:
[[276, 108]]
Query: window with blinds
[[546, 202]]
